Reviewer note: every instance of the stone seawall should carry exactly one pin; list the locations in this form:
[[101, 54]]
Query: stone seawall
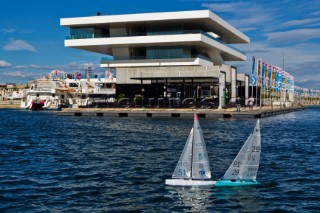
[[10, 104], [177, 113]]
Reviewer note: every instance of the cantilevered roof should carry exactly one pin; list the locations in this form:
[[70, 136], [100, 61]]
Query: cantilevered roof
[[204, 19]]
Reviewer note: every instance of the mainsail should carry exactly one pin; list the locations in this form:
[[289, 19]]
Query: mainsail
[[245, 165], [200, 160], [194, 161], [183, 168]]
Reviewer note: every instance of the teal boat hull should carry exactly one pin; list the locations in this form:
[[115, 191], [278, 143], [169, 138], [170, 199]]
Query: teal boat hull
[[236, 183]]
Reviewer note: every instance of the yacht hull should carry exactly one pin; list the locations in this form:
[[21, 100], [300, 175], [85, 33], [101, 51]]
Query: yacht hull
[[231, 183], [184, 182]]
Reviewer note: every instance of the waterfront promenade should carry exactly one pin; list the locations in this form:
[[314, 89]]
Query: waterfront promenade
[[257, 112]]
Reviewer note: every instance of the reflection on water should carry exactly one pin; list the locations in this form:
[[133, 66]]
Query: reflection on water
[[196, 199], [209, 199]]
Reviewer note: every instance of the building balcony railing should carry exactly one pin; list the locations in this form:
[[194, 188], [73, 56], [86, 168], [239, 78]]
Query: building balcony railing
[[84, 35], [109, 59]]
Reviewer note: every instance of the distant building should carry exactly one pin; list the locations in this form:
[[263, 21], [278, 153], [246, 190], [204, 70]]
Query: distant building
[[11, 91], [165, 55]]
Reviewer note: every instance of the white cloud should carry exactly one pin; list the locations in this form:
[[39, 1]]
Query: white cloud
[[86, 65], [18, 74], [4, 64], [73, 64], [301, 22], [31, 66], [223, 7], [248, 29], [243, 14], [71, 67], [16, 45], [8, 30], [316, 13], [292, 36]]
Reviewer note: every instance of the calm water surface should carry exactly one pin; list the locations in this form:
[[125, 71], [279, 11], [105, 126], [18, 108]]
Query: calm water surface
[[51, 163]]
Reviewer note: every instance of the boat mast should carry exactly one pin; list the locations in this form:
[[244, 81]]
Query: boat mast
[[194, 121]]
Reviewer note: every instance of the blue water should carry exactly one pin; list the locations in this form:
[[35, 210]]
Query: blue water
[[53, 163]]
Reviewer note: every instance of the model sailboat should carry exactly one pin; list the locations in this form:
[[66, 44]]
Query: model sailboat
[[193, 167], [243, 170]]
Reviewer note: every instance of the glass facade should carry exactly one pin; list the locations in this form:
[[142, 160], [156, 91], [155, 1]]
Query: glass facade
[[79, 33], [88, 32], [168, 52], [172, 52], [95, 32]]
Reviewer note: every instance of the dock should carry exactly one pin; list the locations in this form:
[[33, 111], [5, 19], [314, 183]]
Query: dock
[[257, 112]]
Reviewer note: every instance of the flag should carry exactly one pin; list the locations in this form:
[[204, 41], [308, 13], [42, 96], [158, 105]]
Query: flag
[[282, 81], [253, 64], [285, 81], [259, 72], [278, 80], [266, 76], [270, 77], [274, 72], [289, 82], [253, 79], [262, 74]]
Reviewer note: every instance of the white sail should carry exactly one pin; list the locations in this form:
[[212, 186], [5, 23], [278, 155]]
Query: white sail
[[183, 168], [193, 167], [200, 161], [245, 165]]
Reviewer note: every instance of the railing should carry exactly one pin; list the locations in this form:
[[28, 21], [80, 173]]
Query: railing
[[139, 58], [84, 35]]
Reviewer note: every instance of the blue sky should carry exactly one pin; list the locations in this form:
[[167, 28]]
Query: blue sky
[[32, 40]]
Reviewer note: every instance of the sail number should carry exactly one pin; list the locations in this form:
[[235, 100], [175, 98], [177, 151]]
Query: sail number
[[202, 172], [201, 156], [252, 157], [235, 172], [181, 172], [236, 164], [255, 148]]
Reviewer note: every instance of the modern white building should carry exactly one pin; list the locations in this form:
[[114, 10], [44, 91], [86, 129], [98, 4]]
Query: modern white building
[[164, 56]]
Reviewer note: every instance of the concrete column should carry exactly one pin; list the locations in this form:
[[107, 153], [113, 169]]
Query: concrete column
[[233, 84], [216, 57], [246, 87], [222, 87]]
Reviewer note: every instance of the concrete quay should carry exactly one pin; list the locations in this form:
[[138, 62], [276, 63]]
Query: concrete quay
[[177, 113], [10, 104]]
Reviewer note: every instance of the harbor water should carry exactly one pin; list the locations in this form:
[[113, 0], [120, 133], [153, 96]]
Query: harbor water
[[52, 163]]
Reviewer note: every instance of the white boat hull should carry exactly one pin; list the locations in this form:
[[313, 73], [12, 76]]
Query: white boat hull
[[183, 182]]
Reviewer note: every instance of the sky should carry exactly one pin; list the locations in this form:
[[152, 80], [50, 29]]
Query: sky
[[282, 32]]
